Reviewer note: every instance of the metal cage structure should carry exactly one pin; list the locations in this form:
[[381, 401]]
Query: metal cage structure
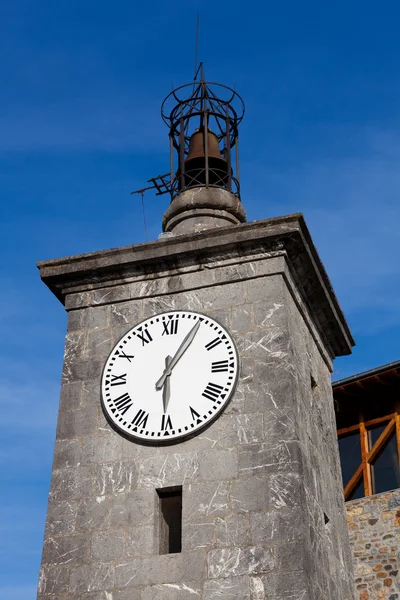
[[203, 120]]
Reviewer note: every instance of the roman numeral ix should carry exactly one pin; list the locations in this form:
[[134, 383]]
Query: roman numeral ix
[[170, 327], [212, 391], [123, 403], [118, 379]]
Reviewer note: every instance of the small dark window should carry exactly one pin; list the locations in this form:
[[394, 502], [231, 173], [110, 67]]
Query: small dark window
[[350, 455], [170, 520], [385, 470]]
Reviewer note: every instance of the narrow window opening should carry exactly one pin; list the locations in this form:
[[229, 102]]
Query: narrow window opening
[[170, 519], [313, 382], [326, 519]]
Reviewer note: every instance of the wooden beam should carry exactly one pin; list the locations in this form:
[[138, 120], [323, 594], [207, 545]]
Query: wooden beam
[[398, 429], [381, 441], [376, 421], [353, 482], [364, 460], [345, 430]]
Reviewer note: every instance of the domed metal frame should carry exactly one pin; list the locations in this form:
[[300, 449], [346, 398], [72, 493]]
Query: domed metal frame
[[206, 107]]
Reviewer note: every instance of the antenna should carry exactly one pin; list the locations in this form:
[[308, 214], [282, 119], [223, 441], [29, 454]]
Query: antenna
[[196, 54]]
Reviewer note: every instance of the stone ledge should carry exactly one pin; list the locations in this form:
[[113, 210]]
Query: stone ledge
[[288, 235]]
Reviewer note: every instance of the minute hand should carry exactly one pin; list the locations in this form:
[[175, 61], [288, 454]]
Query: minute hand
[[178, 355]]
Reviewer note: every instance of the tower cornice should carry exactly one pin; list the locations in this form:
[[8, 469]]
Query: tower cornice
[[95, 275]]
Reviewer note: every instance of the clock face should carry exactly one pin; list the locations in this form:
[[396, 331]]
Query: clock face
[[169, 376]]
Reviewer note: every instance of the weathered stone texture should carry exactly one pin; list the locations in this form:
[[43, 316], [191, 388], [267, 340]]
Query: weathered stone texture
[[256, 482], [374, 527]]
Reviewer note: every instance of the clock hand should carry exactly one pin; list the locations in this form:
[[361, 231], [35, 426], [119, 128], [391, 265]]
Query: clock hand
[[166, 387], [178, 355]]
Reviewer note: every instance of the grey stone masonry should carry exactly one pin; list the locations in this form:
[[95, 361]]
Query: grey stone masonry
[[263, 514]]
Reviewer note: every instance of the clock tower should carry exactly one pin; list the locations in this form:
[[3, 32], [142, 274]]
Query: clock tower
[[196, 453]]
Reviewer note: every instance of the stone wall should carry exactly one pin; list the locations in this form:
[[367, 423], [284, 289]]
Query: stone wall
[[263, 512], [374, 527]]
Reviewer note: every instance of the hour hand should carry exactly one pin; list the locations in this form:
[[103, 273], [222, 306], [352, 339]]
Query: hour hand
[[179, 353], [167, 383]]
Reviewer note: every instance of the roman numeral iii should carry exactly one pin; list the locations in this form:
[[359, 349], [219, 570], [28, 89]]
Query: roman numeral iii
[[212, 391], [219, 367]]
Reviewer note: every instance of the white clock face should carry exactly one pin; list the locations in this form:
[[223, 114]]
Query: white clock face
[[169, 376]]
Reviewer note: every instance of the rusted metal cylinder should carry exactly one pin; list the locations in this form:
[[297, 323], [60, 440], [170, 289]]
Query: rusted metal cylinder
[[198, 170]]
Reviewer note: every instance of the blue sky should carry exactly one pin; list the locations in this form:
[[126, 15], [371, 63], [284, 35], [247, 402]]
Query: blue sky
[[82, 84]]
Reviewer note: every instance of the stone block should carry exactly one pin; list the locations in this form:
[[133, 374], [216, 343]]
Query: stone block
[[70, 397], [61, 518], [128, 510], [232, 531], [82, 370], [237, 429], [281, 586], [230, 588], [181, 590], [208, 499], [142, 541], [218, 464], [91, 393], [198, 535], [250, 494], [263, 288], [168, 470], [269, 457], [290, 558], [268, 346], [117, 511], [66, 549], [286, 491], [115, 477], [126, 314], [99, 343], [222, 316], [107, 545], [267, 528], [242, 318], [270, 314], [167, 568], [232, 562], [110, 594], [67, 453], [54, 579], [93, 576], [102, 448], [78, 423], [94, 513], [72, 484]]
